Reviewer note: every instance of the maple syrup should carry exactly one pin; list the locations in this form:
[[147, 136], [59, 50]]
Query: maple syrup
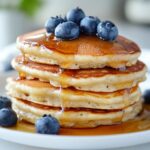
[[84, 45]]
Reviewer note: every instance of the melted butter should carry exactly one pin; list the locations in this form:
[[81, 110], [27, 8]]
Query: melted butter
[[84, 45], [140, 123]]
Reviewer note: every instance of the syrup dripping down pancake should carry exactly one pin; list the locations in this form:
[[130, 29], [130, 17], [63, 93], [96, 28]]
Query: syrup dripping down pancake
[[105, 79], [84, 52]]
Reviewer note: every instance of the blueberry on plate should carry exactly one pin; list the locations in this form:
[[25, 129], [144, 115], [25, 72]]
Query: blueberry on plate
[[146, 96], [107, 30], [88, 25], [75, 15], [67, 31], [5, 102], [8, 117], [47, 125], [52, 22]]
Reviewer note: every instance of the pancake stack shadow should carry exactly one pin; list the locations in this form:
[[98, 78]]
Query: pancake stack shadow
[[84, 83]]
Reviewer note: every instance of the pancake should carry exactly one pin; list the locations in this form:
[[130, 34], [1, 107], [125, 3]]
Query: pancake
[[83, 83], [105, 79], [46, 94], [75, 118], [84, 52]]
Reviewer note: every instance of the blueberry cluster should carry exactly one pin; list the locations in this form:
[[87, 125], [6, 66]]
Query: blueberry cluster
[[8, 117], [76, 23]]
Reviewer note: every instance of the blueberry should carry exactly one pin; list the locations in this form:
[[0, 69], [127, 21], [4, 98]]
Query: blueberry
[[52, 22], [4, 102], [146, 96], [107, 30], [47, 125], [8, 117], [67, 31], [75, 15], [88, 25]]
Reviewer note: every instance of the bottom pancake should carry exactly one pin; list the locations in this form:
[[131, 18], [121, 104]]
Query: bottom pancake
[[75, 118]]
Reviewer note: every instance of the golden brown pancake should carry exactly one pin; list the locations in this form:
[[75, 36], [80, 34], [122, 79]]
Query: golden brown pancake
[[84, 52], [105, 79], [75, 118], [46, 94]]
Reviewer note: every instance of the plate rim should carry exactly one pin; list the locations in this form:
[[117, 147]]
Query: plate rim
[[69, 140]]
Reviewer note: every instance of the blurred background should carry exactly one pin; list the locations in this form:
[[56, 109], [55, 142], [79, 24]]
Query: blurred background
[[19, 16]]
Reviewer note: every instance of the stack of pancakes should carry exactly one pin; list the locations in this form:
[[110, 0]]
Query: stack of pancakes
[[85, 82]]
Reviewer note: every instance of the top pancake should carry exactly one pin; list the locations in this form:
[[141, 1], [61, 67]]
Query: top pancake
[[84, 52]]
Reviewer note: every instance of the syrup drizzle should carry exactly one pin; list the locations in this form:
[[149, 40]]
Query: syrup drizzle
[[60, 95], [61, 103], [127, 92], [84, 45]]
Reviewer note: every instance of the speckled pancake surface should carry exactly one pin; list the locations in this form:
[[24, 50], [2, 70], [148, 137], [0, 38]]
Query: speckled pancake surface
[[50, 96], [84, 52], [75, 118], [105, 79]]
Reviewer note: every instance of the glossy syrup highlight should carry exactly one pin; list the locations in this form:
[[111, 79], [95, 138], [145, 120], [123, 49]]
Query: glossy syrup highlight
[[84, 45]]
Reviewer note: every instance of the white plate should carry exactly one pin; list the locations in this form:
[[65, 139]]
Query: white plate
[[76, 142]]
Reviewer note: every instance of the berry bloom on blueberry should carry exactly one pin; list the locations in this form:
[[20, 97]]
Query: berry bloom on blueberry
[[5, 102], [75, 15], [52, 22], [47, 125], [8, 117], [67, 30], [88, 25], [107, 30]]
